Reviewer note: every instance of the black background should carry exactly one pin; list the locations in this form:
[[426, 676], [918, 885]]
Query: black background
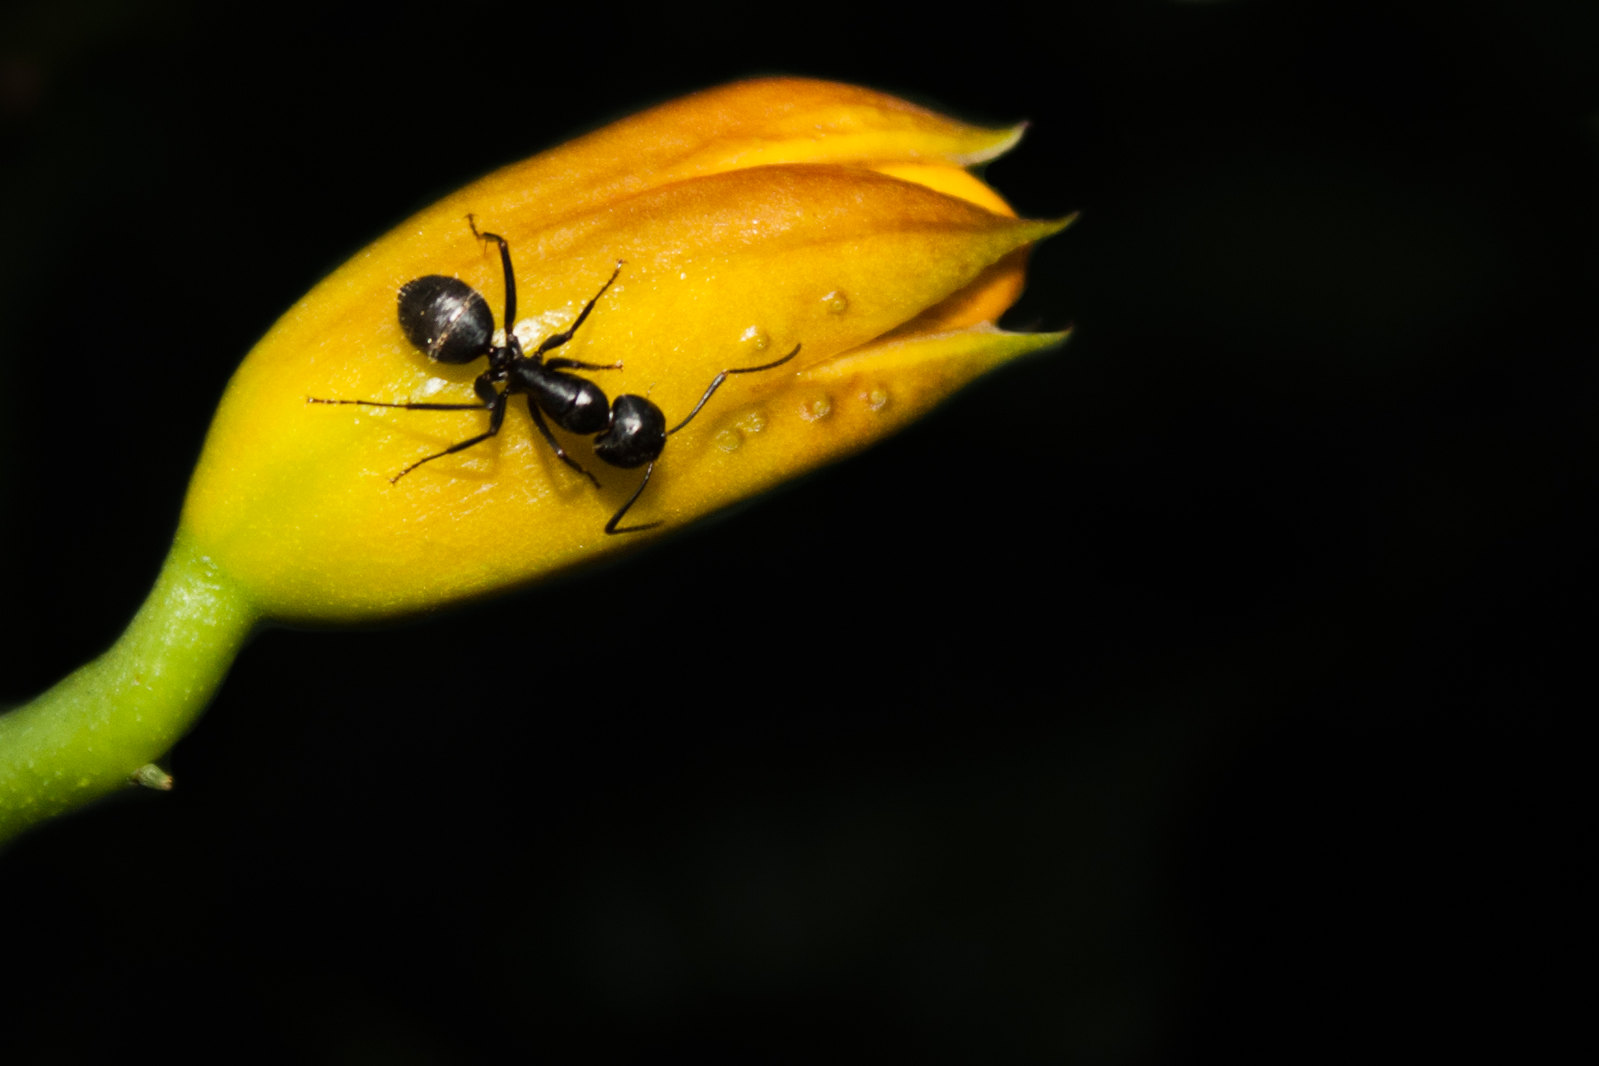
[[1194, 693]]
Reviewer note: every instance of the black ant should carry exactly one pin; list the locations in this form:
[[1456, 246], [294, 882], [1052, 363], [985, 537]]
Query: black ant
[[451, 322]]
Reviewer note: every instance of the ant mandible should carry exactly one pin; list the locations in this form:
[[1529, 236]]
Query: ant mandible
[[450, 322]]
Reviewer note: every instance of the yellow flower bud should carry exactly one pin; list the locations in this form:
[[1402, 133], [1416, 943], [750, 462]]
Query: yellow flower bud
[[748, 220]]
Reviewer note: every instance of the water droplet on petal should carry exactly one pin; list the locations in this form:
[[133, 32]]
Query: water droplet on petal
[[756, 339], [876, 398], [836, 302], [753, 422], [817, 409], [729, 439]]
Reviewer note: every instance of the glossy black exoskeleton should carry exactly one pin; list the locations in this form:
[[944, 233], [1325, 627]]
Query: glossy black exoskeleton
[[450, 322]]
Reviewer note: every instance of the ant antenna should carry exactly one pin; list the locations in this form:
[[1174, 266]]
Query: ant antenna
[[612, 526]]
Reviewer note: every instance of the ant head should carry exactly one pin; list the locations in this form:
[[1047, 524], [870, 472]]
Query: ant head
[[636, 436], [446, 318]]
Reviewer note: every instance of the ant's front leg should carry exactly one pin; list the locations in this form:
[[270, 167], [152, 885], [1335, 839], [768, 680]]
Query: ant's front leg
[[555, 445]]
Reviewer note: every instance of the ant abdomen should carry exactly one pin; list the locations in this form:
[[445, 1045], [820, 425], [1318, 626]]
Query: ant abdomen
[[446, 318]]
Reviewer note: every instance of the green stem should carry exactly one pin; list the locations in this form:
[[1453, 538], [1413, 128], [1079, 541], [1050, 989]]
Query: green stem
[[95, 730]]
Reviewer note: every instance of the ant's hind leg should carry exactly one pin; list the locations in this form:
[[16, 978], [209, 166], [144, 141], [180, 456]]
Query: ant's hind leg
[[488, 399], [496, 417], [410, 406], [505, 262], [573, 364]]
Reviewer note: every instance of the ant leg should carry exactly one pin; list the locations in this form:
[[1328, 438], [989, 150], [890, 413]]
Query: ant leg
[[573, 364], [505, 261], [610, 527], [496, 417], [411, 406], [555, 445], [558, 339], [487, 397], [717, 383]]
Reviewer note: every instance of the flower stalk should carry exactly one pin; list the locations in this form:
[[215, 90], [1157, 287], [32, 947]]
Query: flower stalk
[[99, 728]]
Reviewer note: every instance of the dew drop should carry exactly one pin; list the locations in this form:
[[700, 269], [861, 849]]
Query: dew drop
[[817, 409], [877, 398], [836, 302], [753, 422], [756, 339], [729, 439]]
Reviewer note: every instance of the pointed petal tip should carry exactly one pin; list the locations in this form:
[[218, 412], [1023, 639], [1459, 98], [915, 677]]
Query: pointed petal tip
[[1022, 343], [1014, 343], [1031, 231], [1059, 224], [995, 143]]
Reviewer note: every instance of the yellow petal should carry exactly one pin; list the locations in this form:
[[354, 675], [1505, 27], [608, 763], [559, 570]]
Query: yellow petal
[[824, 413], [294, 500], [746, 124]]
